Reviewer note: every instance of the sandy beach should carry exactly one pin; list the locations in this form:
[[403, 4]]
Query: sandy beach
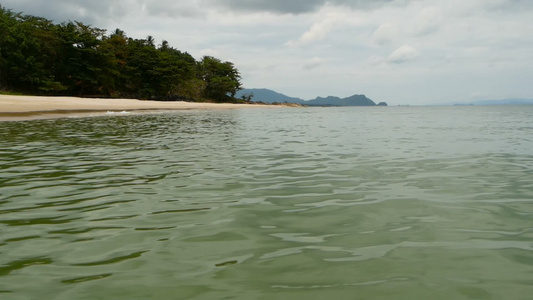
[[14, 108]]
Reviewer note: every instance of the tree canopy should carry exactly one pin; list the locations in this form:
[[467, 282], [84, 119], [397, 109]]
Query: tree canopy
[[71, 58]]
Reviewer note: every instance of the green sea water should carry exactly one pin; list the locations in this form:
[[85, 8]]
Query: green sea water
[[289, 203]]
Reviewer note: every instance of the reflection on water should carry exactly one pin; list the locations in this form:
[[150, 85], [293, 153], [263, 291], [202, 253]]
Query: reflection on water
[[359, 203]]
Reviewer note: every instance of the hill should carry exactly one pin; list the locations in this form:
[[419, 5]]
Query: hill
[[267, 96], [355, 100], [509, 101], [504, 102], [270, 96]]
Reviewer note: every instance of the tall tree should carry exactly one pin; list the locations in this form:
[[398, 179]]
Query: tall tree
[[27, 53], [82, 61], [222, 79], [116, 73]]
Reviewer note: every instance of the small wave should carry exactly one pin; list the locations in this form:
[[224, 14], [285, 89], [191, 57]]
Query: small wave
[[117, 112]]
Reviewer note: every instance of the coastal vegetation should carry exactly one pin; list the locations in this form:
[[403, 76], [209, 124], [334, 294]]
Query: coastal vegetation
[[40, 57]]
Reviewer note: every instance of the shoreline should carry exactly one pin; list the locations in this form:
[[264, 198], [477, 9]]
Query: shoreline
[[20, 108]]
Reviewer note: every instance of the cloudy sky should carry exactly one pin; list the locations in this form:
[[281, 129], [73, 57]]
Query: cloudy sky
[[398, 51]]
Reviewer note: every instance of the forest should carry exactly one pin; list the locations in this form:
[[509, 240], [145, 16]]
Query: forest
[[39, 57]]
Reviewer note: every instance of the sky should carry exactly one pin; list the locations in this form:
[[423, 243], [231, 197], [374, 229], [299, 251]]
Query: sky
[[403, 52]]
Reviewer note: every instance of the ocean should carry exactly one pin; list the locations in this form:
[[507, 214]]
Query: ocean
[[288, 203]]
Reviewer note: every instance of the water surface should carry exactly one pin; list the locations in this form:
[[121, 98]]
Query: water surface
[[295, 203]]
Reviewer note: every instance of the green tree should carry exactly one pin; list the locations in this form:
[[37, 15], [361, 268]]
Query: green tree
[[175, 70], [222, 79], [82, 64], [142, 59], [27, 53], [116, 72]]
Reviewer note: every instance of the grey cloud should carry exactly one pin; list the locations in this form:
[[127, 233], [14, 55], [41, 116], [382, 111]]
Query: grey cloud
[[90, 12], [296, 6], [98, 11], [509, 5]]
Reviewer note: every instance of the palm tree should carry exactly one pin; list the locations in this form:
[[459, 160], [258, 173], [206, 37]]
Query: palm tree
[[119, 32], [150, 41], [164, 45]]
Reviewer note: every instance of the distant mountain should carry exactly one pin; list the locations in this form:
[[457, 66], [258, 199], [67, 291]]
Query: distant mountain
[[269, 96], [510, 101], [355, 100], [504, 102]]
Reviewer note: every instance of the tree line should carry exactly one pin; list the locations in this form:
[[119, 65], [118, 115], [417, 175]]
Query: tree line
[[73, 59]]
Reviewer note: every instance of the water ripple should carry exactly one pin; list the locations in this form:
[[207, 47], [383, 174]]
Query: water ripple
[[113, 260], [414, 202]]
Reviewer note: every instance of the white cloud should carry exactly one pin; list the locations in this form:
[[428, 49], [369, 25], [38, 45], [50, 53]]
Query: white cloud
[[374, 60], [427, 21], [173, 9], [385, 34], [327, 20], [403, 54], [313, 63], [317, 32]]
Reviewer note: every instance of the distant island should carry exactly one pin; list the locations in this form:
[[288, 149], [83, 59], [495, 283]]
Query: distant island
[[510, 101], [271, 97]]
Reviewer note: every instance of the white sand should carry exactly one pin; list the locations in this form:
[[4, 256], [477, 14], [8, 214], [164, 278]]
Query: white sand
[[31, 107]]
